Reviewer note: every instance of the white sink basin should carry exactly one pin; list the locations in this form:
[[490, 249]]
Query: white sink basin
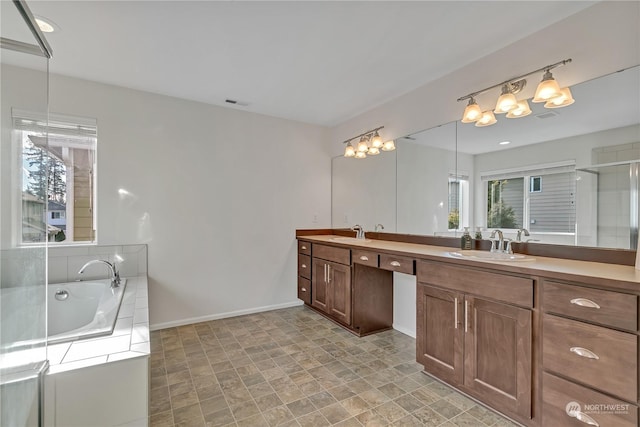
[[349, 240], [490, 256]]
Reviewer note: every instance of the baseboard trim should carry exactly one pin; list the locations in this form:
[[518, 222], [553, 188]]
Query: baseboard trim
[[190, 320], [405, 331]]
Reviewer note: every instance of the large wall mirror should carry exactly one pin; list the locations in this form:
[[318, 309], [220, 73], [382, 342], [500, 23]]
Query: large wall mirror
[[567, 175]]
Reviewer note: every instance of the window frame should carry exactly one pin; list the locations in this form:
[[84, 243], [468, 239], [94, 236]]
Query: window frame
[[68, 127]]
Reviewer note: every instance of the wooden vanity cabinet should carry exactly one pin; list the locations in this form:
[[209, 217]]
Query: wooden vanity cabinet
[[331, 282], [304, 271], [589, 355], [474, 332]]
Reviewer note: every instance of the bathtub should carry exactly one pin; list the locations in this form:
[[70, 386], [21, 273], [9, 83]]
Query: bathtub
[[80, 310]]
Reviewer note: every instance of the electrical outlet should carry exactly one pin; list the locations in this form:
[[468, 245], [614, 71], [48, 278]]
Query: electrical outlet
[[346, 218], [315, 218]]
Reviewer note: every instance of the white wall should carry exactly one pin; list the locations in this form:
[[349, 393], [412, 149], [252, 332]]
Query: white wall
[[600, 39], [216, 194]]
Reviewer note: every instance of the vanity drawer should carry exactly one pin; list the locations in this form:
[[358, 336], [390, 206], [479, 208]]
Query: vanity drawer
[[304, 266], [397, 263], [557, 394], [304, 247], [304, 290], [500, 287], [330, 253], [365, 258], [593, 305], [599, 357]]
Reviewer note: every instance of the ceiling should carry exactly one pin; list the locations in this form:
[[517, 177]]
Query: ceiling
[[316, 62]]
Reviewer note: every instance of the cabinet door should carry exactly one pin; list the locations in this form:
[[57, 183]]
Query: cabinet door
[[440, 333], [498, 354], [339, 289], [319, 296]]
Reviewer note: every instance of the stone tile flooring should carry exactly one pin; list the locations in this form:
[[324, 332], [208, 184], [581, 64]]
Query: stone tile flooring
[[292, 367]]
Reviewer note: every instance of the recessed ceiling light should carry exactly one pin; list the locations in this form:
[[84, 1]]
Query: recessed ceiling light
[[45, 25], [505, 142]]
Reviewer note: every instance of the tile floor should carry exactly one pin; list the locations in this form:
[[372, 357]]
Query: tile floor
[[292, 367]]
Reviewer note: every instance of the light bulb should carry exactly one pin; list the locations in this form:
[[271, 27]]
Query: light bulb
[[521, 110], [472, 112], [362, 145], [506, 102], [389, 146], [360, 155], [376, 141], [547, 89], [487, 119], [373, 151], [563, 100], [349, 151]]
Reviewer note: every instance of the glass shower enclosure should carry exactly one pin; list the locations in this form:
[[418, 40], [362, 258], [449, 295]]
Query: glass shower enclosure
[[24, 79]]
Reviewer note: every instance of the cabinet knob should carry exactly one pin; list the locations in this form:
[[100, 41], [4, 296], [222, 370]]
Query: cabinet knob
[[364, 258], [583, 352], [395, 263], [304, 247], [304, 266], [583, 302], [304, 289]]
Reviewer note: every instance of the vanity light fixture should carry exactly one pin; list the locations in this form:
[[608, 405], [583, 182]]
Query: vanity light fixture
[[370, 143], [548, 91]]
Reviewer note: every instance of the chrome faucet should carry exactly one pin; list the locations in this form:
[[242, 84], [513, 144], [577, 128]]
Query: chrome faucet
[[359, 231], [500, 241], [519, 235], [115, 276], [378, 226]]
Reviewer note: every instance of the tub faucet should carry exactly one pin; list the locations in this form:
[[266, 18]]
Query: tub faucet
[[115, 276], [500, 247], [359, 231]]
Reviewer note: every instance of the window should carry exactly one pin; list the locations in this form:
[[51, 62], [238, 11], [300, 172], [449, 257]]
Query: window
[[535, 185], [58, 160], [521, 201]]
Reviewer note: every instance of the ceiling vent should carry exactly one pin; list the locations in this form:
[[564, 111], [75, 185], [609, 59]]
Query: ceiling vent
[[546, 115]]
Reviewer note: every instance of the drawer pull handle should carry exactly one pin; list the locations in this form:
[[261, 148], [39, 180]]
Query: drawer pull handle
[[583, 352], [304, 289], [581, 416], [364, 258], [304, 248], [583, 302], [395, 263], [304, 265]]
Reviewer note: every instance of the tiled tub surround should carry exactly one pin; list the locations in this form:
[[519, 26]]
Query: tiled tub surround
[[110, 369]]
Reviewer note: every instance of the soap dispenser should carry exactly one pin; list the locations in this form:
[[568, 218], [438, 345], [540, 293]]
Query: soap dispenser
[[465, 241]]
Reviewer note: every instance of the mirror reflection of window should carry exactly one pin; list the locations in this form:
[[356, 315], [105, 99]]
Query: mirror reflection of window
[[458, 214], [521, 202]]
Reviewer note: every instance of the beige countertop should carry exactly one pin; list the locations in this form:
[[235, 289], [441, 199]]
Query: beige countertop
[[539, 266]]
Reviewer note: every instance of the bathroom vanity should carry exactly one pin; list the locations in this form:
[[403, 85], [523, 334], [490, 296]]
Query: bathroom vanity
[[544, 341]]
